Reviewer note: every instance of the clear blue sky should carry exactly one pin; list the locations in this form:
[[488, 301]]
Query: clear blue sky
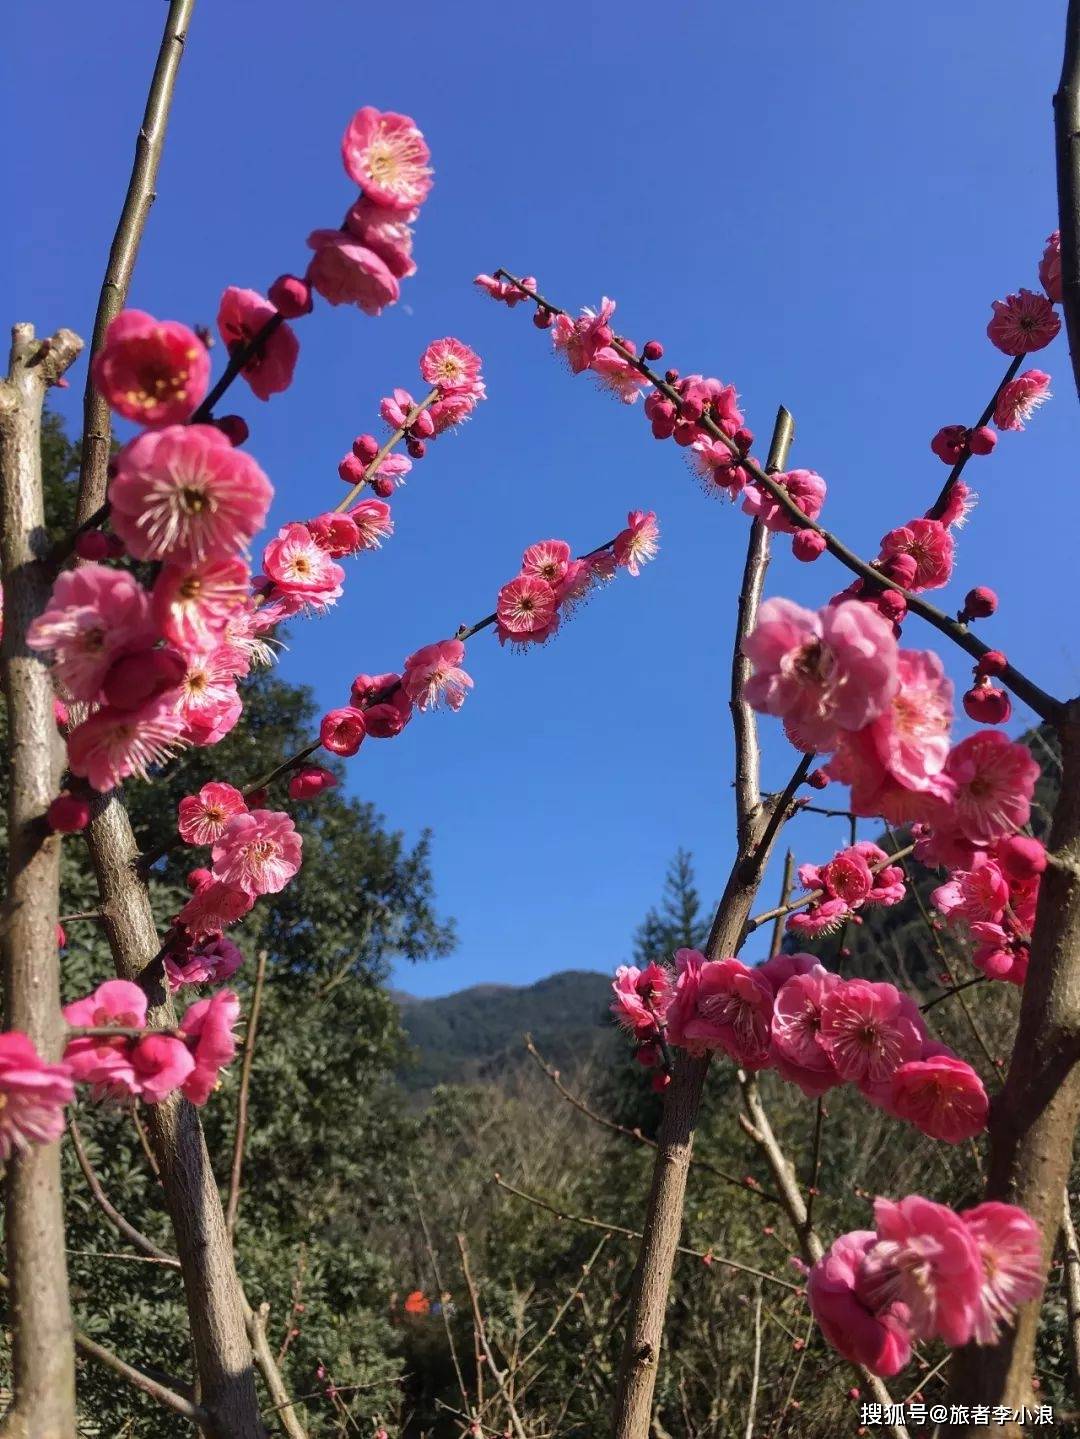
[[815, 202]]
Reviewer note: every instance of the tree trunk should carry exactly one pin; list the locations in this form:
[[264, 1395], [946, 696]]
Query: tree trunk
[[43, 1349], [1033, 1121], [215, 1305]]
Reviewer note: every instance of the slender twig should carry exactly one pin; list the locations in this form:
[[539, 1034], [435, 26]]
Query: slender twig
[[144, 1140], [815, 1162], [560, 1313], [140, 196], [372, 467], [242, 1099], [94, 914], [111, 1213], [777, 941], [706, 1255], [481, 1333], [1044, 705], [948, 994], [803, 1350], [751, 1408], [635, 1135], [939, 506], [168, 1262]]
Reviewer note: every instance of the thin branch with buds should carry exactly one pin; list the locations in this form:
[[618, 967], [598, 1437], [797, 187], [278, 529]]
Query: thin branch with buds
[[236, 1170]]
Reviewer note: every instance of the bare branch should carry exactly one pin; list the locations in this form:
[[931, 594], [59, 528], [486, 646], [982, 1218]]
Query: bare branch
[[140, 196], [242, 1100], [111, 1213], [481, 1334]]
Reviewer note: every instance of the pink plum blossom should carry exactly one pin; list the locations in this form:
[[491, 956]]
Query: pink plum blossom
[[184, 493], [796, 1028], [804, 487], [32, 1095], [926, 1259], [209, 1022], [1050, 267], [243, 314], [104, 1062], [641, 998], [211, 962], [113, 744], [386, 232], [866, 1334], [929, 544], [433, 675], [212, 908], [452, 367], [300, 568], [373, 523], [94, 614], [344, 272], [1023, 322], [342, 730], [207, 699], [337, 534], [387, 156], [941, 1095], [160, 1063], [639, 542], [721, 1004], [995, 780], [154, 372], [310, 781], [980, 893], [869, 1030], [548, 560], [999, 954], [1010, 1249], [582, 338], [258, 852], [527, 608], [1020, 398], [823, 674], [509, 294], [194, 602], [202, 817]]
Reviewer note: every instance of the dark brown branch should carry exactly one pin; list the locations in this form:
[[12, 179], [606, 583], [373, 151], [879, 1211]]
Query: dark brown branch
[[140, 197], [43, 1357], [1044, 705], [242, 1101], [481, 1333]]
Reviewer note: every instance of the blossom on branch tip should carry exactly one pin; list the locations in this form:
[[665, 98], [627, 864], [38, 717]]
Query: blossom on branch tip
[[929, 544], [639, 542], [641, 998], [1022, 323], [154, 372], [185, 494], [504, 290], [242, 314], [32, 1095], [387, 156], [452, 368]]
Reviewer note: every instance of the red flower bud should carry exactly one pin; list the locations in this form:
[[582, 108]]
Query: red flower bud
[[993, 662], [365, 447], [68, 813], [647, 1055], [818, 778], [309, 782], [351, 470], [256, 799], [807, 545], [892, 605], [290, 296], [382, 485], [234, 428], [542, 318], [982, 440], [950, 444], [653, 350], [416, 447], [199, 879], [979, 604], [136, 679], [1021, 857], [987, 705], [92, 545]]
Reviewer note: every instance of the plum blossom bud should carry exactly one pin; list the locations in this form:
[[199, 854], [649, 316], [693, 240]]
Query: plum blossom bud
[[542, 318], [199, 878], [382, 486], [310, 782], [986, 704], [982, 440], [365, 447], [818, 778], [416, 447], [1021, 857], [900, 568], [234, 428], [256, 799], [423, 427], [92, 545], [950, 444], [979, 604], [653, 350], [807, 545], [351, 470], [134, 680], [342, 730], [993, 662], [892, 604], [290, 296], [68, 813]]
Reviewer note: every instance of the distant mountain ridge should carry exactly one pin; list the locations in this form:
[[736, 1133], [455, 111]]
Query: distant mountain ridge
[[477, 1032]]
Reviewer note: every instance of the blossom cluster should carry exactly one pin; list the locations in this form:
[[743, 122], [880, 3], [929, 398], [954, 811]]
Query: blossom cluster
[[993, 896], [814, 1028], [856, 876], [551, 582], [924, 1272]]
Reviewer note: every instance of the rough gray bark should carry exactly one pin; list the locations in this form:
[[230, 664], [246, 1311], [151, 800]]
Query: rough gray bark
[[43, 1357]]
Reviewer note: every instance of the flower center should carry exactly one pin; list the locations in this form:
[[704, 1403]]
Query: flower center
[[191, 501]]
